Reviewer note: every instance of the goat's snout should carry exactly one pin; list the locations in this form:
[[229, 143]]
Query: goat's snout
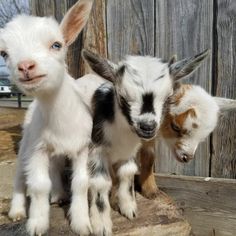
[[148, 127], [147, 130], [26, 67], [184, 157]]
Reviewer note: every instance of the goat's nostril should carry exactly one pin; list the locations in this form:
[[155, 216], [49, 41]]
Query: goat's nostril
[[25, 66], [185, 158], [147, 126]]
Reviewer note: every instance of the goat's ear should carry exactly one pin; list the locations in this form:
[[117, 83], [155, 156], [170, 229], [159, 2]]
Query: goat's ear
[[172, 60], [225, 104], [187, 66], [75, 20], [100, 66]]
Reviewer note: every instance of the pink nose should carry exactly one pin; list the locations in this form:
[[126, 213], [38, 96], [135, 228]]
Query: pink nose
[[26, 66]]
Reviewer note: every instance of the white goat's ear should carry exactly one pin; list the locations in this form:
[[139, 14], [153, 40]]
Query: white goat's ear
[[75, 20], [225, 104], [100, 66], [185, 67]]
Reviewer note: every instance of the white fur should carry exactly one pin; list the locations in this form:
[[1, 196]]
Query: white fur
[[206, 110], [54, 125]]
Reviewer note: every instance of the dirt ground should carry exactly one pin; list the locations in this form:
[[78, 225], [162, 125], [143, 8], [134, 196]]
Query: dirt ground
[[10, 135]]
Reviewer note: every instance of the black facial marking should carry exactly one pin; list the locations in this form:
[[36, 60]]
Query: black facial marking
[[103, 106], [125, 108], [100, 203], [147, 106]]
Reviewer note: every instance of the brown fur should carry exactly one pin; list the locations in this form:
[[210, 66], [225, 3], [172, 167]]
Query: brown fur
[[146, 157]]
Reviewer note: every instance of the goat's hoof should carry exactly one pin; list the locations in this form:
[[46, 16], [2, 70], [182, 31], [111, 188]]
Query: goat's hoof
[[150, 194], [128, 210], [37, 226], [17, 215], [59, 199], [81, 228]]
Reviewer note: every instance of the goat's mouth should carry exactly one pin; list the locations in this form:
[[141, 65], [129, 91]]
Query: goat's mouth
[[32, 80], [182, 157], [146, 135]]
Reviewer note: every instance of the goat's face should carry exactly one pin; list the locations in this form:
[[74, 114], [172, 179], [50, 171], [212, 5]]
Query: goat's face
[[35, 48], [142, 86], [35, 52], [191, 117]]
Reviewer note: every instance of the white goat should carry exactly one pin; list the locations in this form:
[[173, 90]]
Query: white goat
[[191, 116], [35, 50], [126, 110]]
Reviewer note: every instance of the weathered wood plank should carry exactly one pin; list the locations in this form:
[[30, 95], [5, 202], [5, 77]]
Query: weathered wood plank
[[184, 27], [224, 138], [94, 34], [130, 28], [157, 218], [207, 203]]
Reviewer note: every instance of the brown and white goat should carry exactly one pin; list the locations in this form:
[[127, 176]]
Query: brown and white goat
[[191, 116]]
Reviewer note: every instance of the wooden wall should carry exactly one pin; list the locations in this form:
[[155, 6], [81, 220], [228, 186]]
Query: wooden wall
[[162, 28]]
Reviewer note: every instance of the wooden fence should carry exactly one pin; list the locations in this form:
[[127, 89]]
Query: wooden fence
[[162, 28]]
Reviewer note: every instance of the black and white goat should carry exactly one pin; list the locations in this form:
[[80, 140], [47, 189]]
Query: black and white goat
[[35, 50], [127, 108]]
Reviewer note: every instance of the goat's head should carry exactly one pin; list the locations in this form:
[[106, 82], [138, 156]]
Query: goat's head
[[142, 86], [35, 47], [192, 115]]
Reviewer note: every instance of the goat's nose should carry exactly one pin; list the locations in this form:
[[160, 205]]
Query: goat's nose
[[26, 66], [150, 126], [186, 157]]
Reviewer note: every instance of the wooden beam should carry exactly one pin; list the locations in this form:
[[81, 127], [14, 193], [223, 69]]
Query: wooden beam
[[207, 203]]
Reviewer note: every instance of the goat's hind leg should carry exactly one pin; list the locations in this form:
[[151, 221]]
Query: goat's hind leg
[[100, 210]]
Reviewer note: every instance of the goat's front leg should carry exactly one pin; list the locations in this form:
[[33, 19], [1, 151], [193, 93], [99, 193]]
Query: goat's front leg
[[79, 210], [125, 192], [39, 185], [100, 185], [18, 208]]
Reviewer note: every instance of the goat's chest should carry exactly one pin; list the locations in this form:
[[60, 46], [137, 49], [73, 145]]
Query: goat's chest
[[122, 144]]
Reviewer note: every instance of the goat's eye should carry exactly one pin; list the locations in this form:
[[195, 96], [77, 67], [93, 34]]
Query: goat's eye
[[56, 46], [175, 127], [4, 55]]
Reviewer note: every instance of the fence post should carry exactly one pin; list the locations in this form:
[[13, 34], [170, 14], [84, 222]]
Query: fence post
[[19, 99]]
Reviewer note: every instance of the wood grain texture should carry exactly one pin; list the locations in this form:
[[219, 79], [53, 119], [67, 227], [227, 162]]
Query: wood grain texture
[[184, 27], [157, 218], [224, 138], [207, 203], [94, 34], [130, 28]]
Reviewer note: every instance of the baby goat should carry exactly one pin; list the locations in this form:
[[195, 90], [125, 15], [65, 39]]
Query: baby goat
[[34, 49], [191, 116], [126, 110]]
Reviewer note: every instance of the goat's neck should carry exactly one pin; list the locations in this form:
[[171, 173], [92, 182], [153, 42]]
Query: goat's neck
[[58, 99]]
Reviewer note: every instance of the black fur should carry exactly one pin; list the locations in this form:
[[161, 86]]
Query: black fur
[[103, 106], [147, 106], [100, 203]]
